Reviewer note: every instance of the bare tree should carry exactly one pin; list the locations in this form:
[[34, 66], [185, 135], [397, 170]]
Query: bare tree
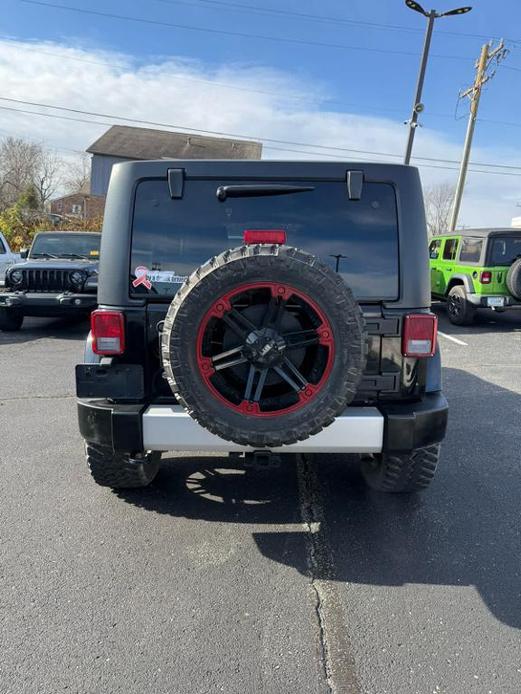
[[18, 162], [25, 165], [77, 175], [438, 206], [48, 175]]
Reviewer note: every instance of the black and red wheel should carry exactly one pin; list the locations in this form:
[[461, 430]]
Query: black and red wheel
[[264, 345]]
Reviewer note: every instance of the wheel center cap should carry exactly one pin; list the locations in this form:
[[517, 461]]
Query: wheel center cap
[[264, 347]]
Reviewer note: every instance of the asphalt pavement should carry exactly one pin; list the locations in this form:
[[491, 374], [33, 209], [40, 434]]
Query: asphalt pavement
[[298, 580]]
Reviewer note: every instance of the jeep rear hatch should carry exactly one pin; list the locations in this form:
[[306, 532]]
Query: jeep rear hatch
[[171, 237]]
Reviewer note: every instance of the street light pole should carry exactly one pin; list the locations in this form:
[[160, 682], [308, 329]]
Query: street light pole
[[417, 106]]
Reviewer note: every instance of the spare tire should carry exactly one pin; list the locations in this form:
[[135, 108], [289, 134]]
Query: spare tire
[[264, 345], [514, 279]]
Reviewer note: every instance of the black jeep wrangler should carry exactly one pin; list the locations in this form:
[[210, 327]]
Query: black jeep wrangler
[[58, 277], [260, 307]]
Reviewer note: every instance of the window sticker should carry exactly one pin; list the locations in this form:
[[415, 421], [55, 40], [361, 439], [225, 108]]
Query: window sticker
[[168, 276], [141, 277], [147, 277]]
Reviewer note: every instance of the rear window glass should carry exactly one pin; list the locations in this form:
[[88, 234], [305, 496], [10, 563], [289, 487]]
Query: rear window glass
[[504, 251], [357, 238], [471, 250]]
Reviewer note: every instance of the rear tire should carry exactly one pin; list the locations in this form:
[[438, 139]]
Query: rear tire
[[459, 309], [120, 470], [410, 472], [10, 319]]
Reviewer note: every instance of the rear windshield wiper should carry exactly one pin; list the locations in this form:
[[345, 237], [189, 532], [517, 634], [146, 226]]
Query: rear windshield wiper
[[255, 190], [44, 255]]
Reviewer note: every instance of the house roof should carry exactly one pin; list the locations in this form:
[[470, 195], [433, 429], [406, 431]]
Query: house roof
[[78, 195], [490, 231], [145, 143]]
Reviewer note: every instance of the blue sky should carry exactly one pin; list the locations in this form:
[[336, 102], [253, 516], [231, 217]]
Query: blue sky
[[364, 82], [375, 85]]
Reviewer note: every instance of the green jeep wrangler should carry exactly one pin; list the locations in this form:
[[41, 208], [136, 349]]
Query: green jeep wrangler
[[476, 268]]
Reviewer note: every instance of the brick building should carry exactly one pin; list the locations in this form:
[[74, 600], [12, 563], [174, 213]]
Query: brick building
[[81, 205]]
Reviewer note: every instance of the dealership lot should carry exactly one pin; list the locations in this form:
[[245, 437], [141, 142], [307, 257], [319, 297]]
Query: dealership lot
[[300, 580]]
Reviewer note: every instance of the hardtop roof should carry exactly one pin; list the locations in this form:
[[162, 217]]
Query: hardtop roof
[[482, 233]]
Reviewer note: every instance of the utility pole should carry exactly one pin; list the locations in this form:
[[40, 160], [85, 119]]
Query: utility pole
[[474, 93]]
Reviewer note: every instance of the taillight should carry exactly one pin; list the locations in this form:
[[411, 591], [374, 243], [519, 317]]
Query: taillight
[[419, 335], [108, 332], [485, 277], [252, 236]]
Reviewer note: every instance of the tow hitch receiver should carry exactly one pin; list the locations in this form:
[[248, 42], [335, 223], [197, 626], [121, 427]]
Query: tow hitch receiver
[[261, 460]]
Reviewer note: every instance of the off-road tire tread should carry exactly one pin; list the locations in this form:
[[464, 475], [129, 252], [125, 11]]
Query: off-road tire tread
[[179, 380], [109, 469], [411, 472], [469, 312]]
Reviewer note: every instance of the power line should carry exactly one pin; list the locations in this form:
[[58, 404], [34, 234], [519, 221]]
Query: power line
[[236, 136], [198, 130], [244, 35], [428, 166], [55, 115], [324, 18]]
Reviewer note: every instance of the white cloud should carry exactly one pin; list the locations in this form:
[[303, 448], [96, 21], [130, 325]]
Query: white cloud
[[262, 102]]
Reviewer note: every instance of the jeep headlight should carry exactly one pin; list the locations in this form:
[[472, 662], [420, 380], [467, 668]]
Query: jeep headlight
[[16, 277], [77, 277]]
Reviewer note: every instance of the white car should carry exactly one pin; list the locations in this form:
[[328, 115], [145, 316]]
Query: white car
[[7, 258]]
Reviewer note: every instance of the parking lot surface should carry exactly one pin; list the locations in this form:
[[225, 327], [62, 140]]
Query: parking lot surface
[[296, 580]]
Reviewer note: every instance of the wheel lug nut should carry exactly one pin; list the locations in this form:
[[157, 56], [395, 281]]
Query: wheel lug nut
[[325, 333], [281, 290], [220, 307]]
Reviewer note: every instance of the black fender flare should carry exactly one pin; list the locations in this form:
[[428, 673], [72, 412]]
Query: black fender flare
[[461, 278]]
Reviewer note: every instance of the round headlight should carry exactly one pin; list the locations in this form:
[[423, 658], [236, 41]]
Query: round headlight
[[16, 277], [78, 277]]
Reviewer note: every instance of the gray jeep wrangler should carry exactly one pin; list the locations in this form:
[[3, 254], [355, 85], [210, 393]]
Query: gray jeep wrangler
[[57, 277], [259, 307]]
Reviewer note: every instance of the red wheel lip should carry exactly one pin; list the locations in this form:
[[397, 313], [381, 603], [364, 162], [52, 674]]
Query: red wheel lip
[[223, 304]]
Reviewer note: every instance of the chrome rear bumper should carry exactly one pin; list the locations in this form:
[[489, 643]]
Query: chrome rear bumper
[[169, 427]]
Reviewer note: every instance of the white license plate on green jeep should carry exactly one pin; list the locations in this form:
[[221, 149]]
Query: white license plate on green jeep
[[496, 301]]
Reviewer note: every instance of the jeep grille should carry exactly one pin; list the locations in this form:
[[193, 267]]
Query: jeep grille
[[45, 280]]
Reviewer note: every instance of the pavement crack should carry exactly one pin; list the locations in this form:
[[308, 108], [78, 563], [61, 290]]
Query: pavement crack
[[338, 666], [36, 397]]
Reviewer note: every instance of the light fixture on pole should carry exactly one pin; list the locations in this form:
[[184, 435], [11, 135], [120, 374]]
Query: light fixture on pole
[[417, 106]]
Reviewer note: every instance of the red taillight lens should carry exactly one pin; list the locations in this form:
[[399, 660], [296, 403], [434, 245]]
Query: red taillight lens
[[252, 236], [485, 277], [419, 335], [108, 332]]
